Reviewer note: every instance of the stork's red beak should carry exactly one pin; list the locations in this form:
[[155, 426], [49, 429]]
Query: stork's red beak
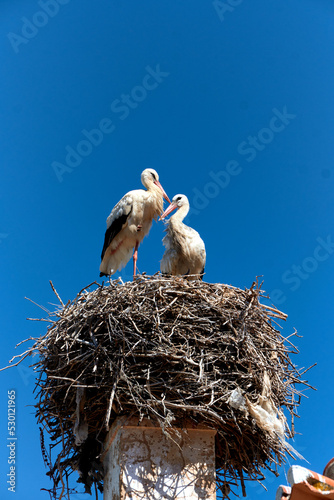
[[168, 210], [164, 194]]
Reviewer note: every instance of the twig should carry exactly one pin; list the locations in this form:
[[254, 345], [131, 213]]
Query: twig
[[56, 293]]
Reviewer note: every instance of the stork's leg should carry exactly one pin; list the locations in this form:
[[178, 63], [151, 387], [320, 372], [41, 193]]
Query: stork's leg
[[135, 258]]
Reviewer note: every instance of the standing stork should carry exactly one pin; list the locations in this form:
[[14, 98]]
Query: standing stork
[[185, 249], [129, 221]]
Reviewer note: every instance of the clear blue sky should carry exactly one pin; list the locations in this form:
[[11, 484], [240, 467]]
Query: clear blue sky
[[232, 103]]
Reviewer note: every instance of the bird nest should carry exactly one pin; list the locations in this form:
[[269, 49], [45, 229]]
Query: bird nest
[[174, 351]]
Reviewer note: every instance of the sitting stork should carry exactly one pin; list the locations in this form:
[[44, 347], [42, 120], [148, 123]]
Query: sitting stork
[[185, 249], [129, 221]]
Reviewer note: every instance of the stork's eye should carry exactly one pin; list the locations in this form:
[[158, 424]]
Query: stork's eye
[[178, 198], [154, 176]]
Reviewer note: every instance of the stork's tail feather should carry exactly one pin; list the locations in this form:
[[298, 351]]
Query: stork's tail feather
[[103, 274]]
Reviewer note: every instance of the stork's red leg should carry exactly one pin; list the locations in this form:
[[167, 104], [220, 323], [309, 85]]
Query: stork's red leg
[[135, 257]]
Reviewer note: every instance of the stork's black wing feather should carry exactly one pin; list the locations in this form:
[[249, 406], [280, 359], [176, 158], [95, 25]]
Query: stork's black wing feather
[[114, 228]]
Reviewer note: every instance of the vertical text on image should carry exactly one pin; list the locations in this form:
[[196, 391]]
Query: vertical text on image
[[12, 440]]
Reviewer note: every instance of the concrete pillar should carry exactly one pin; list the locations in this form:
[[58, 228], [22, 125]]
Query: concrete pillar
[[141, 463]]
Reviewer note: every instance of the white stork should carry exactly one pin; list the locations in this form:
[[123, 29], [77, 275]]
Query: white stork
[[185, 249], [130, 220]]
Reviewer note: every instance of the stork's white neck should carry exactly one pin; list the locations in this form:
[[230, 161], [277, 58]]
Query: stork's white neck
[[154, 198], [180, 214]]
